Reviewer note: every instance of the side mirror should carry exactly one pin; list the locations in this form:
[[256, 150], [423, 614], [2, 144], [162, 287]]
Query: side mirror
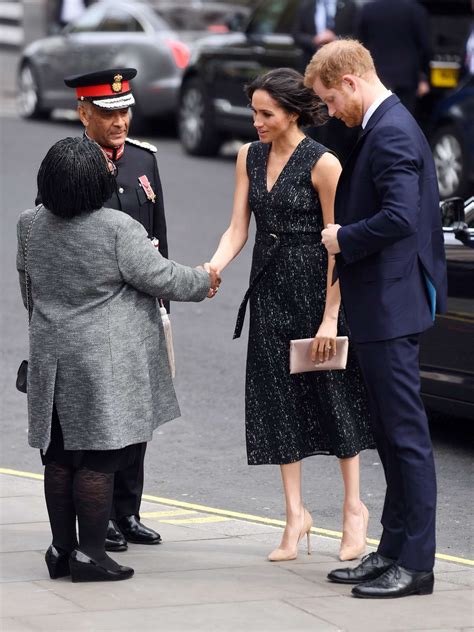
[[453, 216], [452, 212]]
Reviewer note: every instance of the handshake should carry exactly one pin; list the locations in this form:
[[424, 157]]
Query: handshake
[[215, 279]]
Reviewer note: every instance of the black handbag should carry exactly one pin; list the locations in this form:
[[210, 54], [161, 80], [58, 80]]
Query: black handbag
[[22, 374]]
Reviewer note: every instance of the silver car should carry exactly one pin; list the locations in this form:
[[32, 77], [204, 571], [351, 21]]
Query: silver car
[[114, 34]]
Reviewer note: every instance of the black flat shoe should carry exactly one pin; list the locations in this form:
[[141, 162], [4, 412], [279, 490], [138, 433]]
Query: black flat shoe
[[371, 567], [397, 581], [85, 569], [57, 561], [114, 540], [136, 532]]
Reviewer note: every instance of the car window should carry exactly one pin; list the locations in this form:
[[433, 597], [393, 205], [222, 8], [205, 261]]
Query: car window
[[118, 20], [90, 20], [273, 16], [196, 18]]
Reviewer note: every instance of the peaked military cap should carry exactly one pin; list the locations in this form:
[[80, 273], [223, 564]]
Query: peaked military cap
[[108, 89]]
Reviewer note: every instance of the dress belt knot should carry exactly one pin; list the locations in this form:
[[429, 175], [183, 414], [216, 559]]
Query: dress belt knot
[[275, 241]]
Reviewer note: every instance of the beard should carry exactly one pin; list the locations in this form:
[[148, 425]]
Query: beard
[[353, 114]]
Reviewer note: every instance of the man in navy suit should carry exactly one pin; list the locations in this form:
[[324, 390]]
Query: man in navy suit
[[390, 260]]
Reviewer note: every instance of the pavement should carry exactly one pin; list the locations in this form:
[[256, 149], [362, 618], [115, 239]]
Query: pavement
[[210, 574]]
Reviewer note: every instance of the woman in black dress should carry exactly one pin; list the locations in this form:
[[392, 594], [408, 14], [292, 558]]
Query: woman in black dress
[[289, 181]]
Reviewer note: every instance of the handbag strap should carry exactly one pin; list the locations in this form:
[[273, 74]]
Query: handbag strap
[[25, 256]]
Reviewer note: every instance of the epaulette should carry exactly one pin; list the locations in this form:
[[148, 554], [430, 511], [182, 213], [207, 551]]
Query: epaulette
[[142, 144]]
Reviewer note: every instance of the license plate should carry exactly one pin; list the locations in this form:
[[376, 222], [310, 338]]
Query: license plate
[[444, 74]]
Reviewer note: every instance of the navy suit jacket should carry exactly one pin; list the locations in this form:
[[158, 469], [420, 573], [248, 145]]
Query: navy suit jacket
[[387, 203]]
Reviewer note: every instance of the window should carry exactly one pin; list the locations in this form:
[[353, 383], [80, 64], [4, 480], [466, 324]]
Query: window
[[117, 20], [90, 20], [273, 16], [187, 17]]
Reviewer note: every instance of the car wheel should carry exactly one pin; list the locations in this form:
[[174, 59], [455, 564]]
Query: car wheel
[[451, 162], [196, 127], [29, 94]]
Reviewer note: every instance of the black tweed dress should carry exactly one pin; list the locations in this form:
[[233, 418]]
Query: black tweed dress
[[290, 417]]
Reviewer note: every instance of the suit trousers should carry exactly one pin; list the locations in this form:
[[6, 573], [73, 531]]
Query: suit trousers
[[128, 487], [391, 372]]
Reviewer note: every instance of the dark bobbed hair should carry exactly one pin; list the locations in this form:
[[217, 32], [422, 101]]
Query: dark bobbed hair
[[74, 178], [286, 87]]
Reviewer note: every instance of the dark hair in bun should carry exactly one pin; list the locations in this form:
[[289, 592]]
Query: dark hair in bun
[[286, 87]]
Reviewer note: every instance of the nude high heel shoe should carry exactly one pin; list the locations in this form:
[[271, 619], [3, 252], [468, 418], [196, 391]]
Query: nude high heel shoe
[[358, 540], [285, 555]]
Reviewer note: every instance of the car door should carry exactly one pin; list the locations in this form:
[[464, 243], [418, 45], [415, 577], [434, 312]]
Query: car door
[[266, 43], [64, 55], [96, 42], [447, 349]]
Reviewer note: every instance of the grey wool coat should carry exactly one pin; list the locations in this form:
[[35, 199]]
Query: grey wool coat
[[97, 345]]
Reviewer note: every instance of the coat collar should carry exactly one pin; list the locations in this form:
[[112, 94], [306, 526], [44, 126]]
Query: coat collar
[[372, 122], [379, 112]]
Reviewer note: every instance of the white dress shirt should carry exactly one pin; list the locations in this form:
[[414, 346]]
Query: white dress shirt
[[374, 106], [324, 9]]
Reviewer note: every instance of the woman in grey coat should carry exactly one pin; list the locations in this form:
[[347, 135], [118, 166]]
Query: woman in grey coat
[[99, 381]]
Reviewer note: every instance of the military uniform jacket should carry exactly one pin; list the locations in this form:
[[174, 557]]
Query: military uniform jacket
[[138, 160]]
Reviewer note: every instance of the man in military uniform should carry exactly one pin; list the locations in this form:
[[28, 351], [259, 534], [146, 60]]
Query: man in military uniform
[[104, 99]]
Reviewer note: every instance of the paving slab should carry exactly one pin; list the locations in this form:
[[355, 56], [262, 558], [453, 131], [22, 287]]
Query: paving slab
[[193, 555], [17, 486], [15, 625], [317, 572], [33, 598], [460, 577], [25, 537], [22, 566], [187, 587], [254, 616], [25, 508], [448, 610], [207, 576]]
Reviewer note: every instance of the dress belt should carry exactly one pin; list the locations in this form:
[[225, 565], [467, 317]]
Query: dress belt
[[275, 241]]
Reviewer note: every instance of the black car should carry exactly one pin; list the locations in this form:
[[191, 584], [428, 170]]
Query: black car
[[212, 104], [451, 135], [447, 349]]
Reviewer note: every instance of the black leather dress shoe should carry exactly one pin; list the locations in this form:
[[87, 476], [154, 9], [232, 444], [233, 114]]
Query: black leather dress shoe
[[397, 581], [86, 569], [114, 540], [136, 532], [57, 561], [372, 566]]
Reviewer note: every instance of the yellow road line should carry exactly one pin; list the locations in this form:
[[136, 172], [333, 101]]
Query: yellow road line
[[243, 516], [166, 514], [4, 470], [461, 316], [200, 520]]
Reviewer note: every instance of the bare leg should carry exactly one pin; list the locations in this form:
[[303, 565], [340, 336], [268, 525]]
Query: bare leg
[[298, 521], [355, 512]]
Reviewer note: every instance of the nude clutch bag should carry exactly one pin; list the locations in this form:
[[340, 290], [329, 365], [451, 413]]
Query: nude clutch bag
[[300, 356]]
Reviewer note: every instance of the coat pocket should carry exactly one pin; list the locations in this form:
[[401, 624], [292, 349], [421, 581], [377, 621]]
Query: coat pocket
[[386, 270]]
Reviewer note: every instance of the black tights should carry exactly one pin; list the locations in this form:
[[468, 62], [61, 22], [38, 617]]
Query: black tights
[[85, 494]]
